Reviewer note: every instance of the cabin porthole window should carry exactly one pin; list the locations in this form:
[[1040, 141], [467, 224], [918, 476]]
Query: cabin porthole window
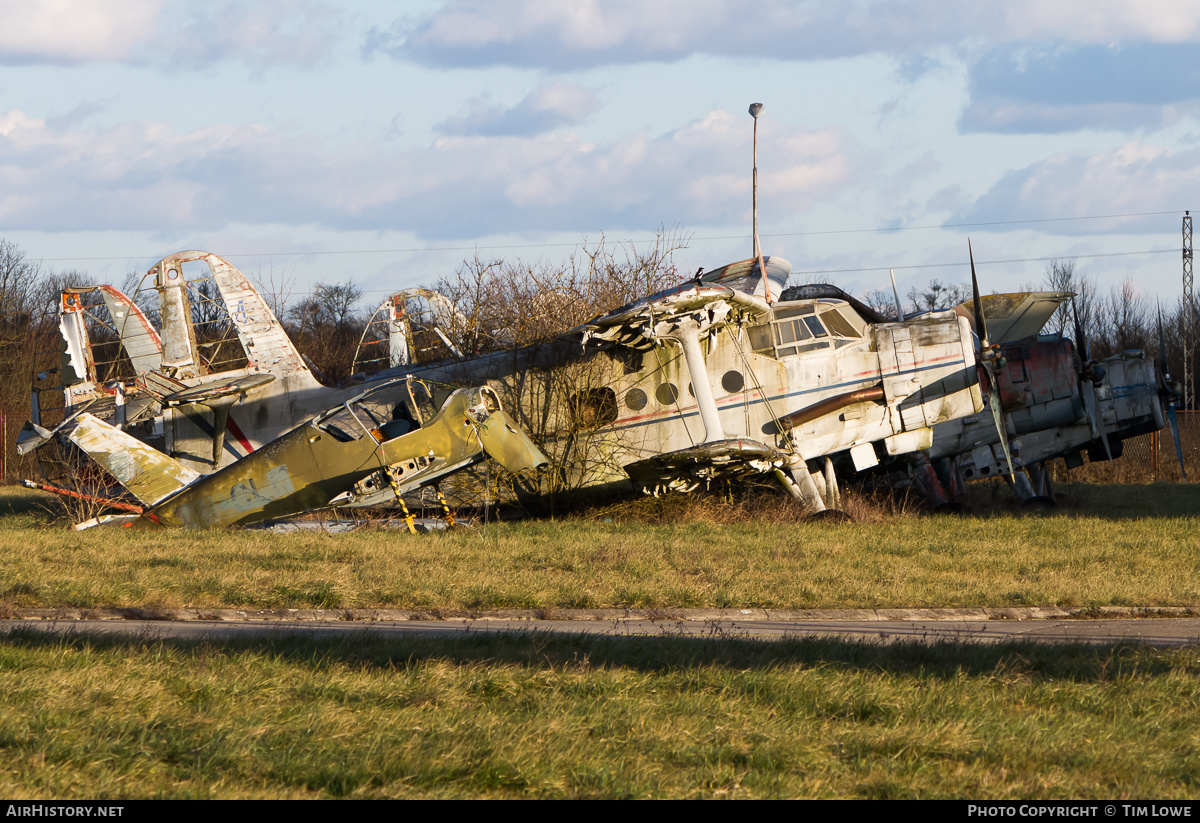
[[593, 408], [636, 399], [733, 382], [666, 394]]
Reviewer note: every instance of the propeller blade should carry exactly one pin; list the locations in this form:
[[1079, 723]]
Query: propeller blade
[[1095, 419], [1174, 421], [980, 322], [1080, 341], [896, 292], [998, 417], [990, 366]]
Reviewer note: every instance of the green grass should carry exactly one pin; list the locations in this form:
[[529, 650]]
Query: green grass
[[561, 717], [1105, 546]]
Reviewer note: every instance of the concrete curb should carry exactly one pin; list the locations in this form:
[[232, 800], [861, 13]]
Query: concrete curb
[[665, 614]]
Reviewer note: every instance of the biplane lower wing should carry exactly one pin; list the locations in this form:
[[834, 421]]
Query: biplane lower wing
[[724, 460]]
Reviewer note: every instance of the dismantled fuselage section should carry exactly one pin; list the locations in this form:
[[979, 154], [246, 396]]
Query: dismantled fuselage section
[[169, 364], [411, 327], [369, 451], [1054, 402]]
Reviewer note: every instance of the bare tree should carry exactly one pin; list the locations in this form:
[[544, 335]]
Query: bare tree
[[882, 301], [1125, 322], [515, 303], [331, 306], [277, 286], [937, 297], [1065, 275], [18, 278], [326, 328]]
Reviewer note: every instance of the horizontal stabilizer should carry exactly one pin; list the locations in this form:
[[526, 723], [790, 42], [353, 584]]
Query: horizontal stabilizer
[[145, 472], [30, 437]]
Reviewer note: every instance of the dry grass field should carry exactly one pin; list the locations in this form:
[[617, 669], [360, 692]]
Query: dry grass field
[[528, 716], [1105, 545]]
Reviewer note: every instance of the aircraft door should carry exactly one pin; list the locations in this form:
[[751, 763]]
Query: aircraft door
[[901, 383]]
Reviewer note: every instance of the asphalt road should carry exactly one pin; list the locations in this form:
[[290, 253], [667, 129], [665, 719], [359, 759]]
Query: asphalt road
[[1161, 632]]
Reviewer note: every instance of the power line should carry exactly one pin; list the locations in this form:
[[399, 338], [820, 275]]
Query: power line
[[693, 238], [806, 272], [974, 225], [990, 262]]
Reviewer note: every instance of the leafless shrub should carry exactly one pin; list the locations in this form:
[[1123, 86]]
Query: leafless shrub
[[85, 493], [562, 399], [511, 303]]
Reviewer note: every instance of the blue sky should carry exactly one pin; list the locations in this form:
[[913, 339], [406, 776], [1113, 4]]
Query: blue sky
[[384, 142]]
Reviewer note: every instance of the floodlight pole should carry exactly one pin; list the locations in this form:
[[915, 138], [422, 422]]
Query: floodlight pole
[[755, 111], [1189, 389]]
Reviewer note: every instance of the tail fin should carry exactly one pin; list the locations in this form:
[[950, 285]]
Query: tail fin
[[148, 474]]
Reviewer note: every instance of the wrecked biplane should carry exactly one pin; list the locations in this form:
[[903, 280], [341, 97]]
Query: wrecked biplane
[[719, 379]]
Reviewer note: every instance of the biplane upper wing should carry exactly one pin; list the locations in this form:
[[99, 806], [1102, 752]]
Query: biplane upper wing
[[1018, 315]]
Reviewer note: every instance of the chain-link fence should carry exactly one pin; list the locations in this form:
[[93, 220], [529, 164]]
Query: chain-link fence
[[1147, 458]]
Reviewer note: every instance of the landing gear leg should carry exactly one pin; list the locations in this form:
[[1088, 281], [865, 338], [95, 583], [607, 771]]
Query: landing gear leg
[[1040, 476], [833, 495], [801, 486], [445, 508], [928, 482]]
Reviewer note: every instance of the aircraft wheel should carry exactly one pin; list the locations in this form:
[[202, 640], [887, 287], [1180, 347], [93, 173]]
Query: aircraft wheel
[[830, 516], [1039, 504]]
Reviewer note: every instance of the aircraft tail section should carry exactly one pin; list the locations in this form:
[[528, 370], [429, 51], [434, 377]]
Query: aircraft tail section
[[148, 474]]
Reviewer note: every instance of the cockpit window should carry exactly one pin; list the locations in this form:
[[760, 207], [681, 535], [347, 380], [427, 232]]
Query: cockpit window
[[839, 325], [386, 412], [799, 329]]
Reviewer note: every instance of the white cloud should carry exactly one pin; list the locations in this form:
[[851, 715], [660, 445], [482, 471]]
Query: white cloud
[[260, 32], [146, 176], [549, 107], [165, 32], [550, 33], [1130, 179], [1102, 21], [75, 31]]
